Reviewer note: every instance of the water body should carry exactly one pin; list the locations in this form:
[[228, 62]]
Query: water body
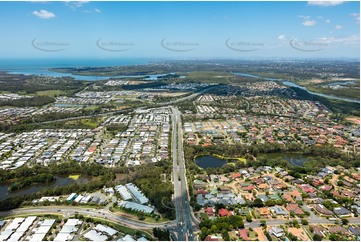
[[340, 83], [42, 66], [209, 161], [293, 159], [254, 76], [60, 181], [292, 84]]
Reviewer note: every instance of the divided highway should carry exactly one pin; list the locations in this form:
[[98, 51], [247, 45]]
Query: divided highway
[[96, 213], [186, 221]]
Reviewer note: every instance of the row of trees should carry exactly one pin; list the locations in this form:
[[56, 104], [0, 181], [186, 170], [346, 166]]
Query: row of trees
[[220, 225], [28, 181], [28, 102]]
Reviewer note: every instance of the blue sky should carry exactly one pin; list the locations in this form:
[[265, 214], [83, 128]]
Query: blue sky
[[179, 29]]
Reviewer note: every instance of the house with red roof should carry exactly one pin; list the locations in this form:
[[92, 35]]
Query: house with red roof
[[209, 211], [224, 212], [235, 175], [201, 191], [317, 182], [307, 188], [325, 188], [242, 233], [249, 188], [294, 207]]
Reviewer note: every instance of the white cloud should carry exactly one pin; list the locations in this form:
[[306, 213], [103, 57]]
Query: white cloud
[[75, 4], [96, 10], [353, 39], [328, 21], [356, 16], [309, 23], [43, 14], [304, 16], [325, 3], [282, 37], [337, 27]]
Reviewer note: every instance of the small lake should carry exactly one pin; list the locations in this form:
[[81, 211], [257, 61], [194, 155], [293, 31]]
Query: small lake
[[60, 181], [292, 158], [209, 161]]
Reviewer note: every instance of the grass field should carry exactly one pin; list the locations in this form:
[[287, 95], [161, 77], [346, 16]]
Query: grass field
[[50, 93], [74, 177], [230, 158], [90, 123]]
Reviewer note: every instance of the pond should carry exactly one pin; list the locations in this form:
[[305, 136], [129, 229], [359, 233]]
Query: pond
[[209, 161], [60, 181], [292, 158]]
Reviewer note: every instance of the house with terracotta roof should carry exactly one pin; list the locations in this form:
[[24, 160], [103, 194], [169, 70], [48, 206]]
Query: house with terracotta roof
[[288, 198], [263, 186], [322, 210], [209, 211], [201, 191], [295, 194], [337, 229], [242, 233], [347, 193], [235, 175], [325, 188], [263, 211], [349, 179], [317, 182], [307, 188], [294, 207], [356, 176], [289, 178], [318, 230], [249, 188], [224, 212]]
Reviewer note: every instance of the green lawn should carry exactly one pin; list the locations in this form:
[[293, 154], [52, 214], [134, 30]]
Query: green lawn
[[50, 93]]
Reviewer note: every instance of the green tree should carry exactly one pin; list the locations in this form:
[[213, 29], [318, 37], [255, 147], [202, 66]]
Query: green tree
[[257, 203], [317, 237], [344, 221], [304, 222]]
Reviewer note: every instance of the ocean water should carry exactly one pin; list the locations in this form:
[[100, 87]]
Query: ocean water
[[42, 66]]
